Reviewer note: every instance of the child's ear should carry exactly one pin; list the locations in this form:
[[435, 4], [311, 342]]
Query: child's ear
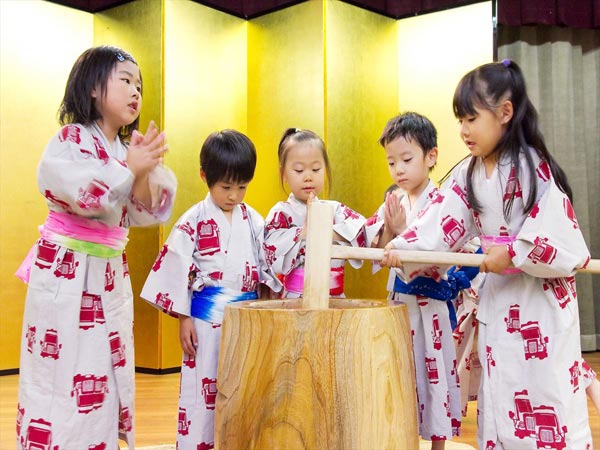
[[431, 157], [202, 174], [506, 112]]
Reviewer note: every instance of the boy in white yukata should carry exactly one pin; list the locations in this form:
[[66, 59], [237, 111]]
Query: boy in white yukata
[[410, 143], [303, 165], [99, 176], [513, 195], [213, 256]]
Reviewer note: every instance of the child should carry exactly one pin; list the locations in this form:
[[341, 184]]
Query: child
[[469, 366], [512, 193], [303, 164], [410, 143], [73, 385], [213, 256]]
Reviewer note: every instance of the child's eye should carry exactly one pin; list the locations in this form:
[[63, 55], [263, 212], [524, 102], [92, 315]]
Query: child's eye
[[243, 188], [298, 170], [391, 164], [317, 170], [408, 160], [139, 89], [126, 80]]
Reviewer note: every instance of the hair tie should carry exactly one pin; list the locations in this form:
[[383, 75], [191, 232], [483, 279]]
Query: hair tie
[[506, 62], [297, 130], [120, 57]]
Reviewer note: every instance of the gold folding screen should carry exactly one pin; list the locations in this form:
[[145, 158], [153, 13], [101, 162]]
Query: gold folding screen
[[328, 66]]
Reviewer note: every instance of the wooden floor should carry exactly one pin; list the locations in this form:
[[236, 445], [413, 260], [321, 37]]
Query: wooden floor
[[156, 410]]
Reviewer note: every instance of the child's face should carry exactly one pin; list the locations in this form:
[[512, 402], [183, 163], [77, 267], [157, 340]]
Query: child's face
[[408, 166], [227, 195], [482, 131], [304, 170], [122, 102]]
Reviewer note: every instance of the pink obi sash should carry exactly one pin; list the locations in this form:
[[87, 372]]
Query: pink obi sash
[[79, 234], [488, 241], [294, 281]]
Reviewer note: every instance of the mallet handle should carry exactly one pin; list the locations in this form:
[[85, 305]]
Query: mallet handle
[[414, 256]]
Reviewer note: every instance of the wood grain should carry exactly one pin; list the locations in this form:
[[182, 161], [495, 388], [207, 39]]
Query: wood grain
[[338, 378], [156, 410], [317, 266]]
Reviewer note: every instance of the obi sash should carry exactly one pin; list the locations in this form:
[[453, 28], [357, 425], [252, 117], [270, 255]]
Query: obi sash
[[443, 290], [294, 281], [78, 234], [488, 241], [209, 303]]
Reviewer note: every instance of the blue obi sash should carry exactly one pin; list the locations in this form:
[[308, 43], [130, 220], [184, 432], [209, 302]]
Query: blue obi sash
[[444, 290], [209, 303]]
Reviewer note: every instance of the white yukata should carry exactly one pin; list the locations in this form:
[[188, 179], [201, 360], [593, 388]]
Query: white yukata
[[438, 390], [532, 389], [206, 252], [76, 383], [465, 340], [286, 251]]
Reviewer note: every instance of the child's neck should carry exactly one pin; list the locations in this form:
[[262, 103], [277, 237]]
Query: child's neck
[[228, 214], [414, 194], [109, 132]]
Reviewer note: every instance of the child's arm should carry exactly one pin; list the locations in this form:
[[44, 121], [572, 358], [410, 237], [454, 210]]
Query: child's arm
[[187, 335], [144, 154], [283, 243], [394, 220], [154, 186]]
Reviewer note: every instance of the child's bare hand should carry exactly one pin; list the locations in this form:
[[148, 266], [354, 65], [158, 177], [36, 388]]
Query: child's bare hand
[[394, 218], [187, 335], [497, 259], [390, 257], [146, 150]]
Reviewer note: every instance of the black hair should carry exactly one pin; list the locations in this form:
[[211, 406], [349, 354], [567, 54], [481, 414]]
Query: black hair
[[228, 156], [92, 69], [486, 87], [412, 127], [389, 190], [293, 136]]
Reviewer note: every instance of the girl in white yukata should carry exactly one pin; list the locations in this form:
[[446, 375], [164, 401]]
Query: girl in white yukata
[[213, 256], [469, 366], [513, 195], [303, 164], [76, 382], [410, 143]]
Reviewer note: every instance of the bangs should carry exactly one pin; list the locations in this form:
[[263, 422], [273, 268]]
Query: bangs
[[467, 97], [228, 156]]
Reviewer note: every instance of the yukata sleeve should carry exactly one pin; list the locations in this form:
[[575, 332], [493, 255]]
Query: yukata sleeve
[[76, 174], [168, 285], [444, 224], [265, 271], [163, 186], [374, 225], [284, 248], [350, 225], [550, 243]]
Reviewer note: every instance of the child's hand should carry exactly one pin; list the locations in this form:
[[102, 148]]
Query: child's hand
[[187, 335], [390, 258], [146, 151], [394, 218], [497, 259]]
